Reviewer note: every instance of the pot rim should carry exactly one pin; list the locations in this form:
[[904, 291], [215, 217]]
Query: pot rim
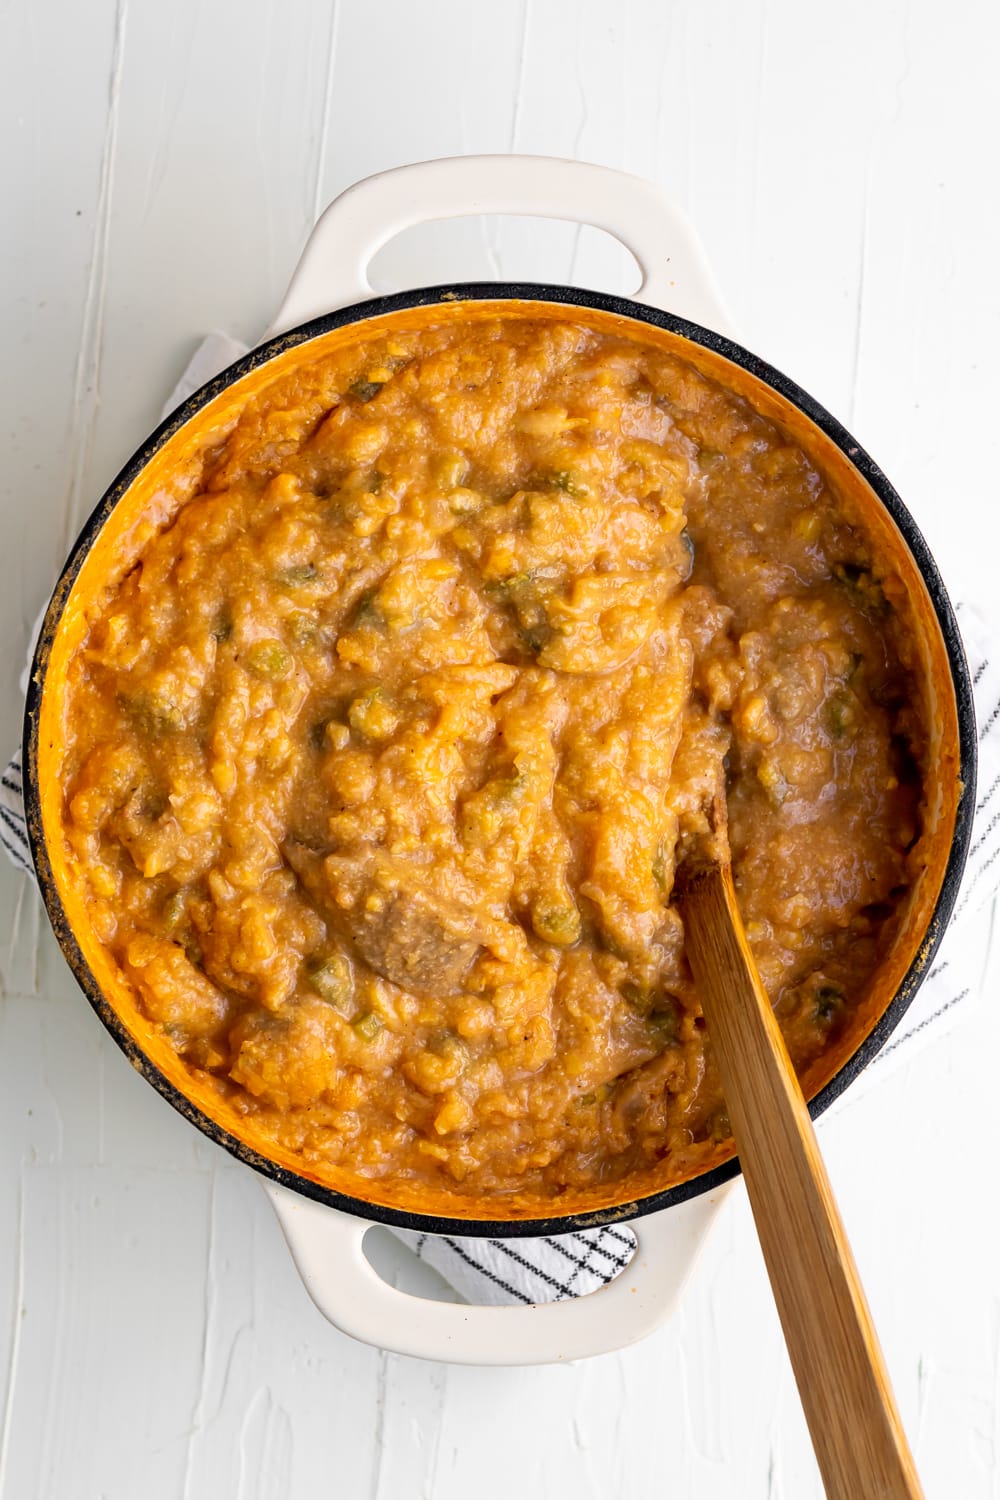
[[568, 297]]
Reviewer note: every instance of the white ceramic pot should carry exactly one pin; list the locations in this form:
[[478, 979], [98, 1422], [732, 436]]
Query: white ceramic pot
[[325, 1229]]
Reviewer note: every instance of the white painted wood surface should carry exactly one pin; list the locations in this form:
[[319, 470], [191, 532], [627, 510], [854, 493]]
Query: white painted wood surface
[[161, 165]]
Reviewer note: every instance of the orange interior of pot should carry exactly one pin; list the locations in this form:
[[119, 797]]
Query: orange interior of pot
[[171, 477]]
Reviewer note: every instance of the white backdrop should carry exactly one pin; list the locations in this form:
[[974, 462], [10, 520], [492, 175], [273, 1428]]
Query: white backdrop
[[161, 166]]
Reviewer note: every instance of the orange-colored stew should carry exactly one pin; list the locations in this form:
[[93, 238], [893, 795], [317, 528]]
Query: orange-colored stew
[[378, 759]]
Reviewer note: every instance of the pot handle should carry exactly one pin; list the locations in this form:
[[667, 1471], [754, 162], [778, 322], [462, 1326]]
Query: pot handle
[[333, 269], [326, 1247]]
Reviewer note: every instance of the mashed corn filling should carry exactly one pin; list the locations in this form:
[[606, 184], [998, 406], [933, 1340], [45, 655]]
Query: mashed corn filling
[[378, 760]]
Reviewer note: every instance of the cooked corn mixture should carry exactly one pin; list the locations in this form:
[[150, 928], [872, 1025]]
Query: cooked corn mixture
[[379, 759]]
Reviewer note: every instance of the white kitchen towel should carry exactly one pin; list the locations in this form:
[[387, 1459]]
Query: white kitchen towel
[[571, 1265]]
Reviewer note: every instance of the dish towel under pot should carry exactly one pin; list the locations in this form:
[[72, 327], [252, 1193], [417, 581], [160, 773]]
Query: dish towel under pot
[[571, 1265]]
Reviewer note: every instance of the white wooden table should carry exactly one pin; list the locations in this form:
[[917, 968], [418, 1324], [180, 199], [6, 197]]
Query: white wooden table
[[161, 165]]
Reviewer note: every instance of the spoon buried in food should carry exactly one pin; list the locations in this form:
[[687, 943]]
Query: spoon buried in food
[[843, 1383]]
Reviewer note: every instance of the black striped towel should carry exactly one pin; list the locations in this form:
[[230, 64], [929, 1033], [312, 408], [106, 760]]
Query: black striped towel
[[571, 1265]]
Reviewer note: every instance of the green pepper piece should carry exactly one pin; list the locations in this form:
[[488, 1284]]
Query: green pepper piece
[[367, 1025], [333, 981], [366, 612], [611, 945], [448, 1044], [174, 911], [505, 790], [534, 638], [559, 925], [303, 630], [640, 999], [177, 926], [663, 1025], [154, 712], [570, 483], [270, 660], [600, 1095], [364, 390]]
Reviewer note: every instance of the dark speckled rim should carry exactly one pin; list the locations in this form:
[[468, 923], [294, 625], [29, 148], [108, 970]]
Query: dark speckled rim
[[570, 298]]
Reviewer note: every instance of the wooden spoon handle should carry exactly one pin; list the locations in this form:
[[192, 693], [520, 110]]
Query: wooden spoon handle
[[843, 1383]]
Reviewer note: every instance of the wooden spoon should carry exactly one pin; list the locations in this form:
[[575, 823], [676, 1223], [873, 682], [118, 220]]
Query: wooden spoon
[[843, 1383]]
